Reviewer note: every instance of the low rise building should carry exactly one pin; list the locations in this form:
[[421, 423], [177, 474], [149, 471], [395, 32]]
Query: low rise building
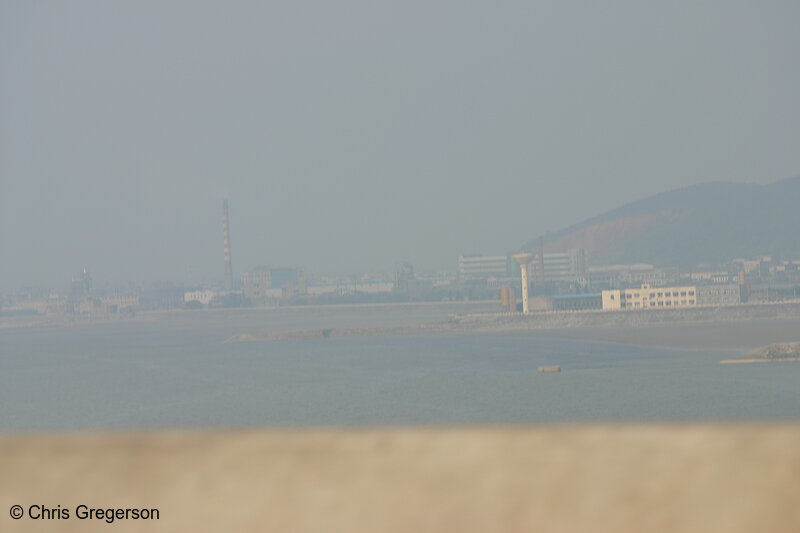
[[45, 307], [119, 303], [352, 287], [204, 297], [719, 294], [559, 302], [649, 297], [577, 302]]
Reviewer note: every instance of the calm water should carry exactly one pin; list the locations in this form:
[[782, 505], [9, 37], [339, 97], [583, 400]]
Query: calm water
[[106, 378]]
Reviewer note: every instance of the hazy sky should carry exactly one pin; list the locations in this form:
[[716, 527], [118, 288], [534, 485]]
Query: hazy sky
[[350, 135]]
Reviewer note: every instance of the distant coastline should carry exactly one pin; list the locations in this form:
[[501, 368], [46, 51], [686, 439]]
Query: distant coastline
[[719, 327], [740, 327]]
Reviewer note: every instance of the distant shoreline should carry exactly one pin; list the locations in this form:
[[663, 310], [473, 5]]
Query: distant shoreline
[[728, 327], [187, 315], [725, 327]]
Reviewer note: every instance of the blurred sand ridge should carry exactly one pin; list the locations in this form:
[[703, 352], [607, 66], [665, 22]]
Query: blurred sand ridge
[[601, 478]]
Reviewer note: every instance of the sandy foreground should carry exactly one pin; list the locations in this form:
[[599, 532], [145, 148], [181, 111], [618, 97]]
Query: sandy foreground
[[616, 479]]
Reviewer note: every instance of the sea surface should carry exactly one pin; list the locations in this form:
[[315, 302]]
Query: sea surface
[[123, 378]]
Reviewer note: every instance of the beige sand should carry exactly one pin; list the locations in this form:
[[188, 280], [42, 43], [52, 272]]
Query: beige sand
[[613, 479]]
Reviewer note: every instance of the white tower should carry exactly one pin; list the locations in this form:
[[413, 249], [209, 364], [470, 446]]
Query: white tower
[[523, 259]]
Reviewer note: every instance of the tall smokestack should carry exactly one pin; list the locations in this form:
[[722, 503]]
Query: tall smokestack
[[226, 245]]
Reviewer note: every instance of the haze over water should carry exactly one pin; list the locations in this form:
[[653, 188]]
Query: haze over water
[[121, 378], [352, 135]]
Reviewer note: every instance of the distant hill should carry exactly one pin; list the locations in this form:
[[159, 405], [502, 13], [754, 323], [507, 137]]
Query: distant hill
[[708, 223]]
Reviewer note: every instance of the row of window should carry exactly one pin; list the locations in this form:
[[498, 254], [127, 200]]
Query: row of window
[[675, 294], [668, 303]]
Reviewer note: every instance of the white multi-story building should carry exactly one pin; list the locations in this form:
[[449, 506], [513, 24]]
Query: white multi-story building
[[627, 274], [483, 267], [712, 277], [204, 297], [649, 297], [561, 266], [567, 266]]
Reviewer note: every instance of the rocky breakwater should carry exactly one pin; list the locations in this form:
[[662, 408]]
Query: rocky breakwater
[[774, 353]]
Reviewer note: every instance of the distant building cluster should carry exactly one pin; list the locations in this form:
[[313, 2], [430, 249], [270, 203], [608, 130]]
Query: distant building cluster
[[263, 285], [568, 282], [643, 297], [556, 281]]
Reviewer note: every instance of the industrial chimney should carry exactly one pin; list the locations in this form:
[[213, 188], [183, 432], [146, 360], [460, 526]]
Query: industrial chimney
[[226, 246]]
